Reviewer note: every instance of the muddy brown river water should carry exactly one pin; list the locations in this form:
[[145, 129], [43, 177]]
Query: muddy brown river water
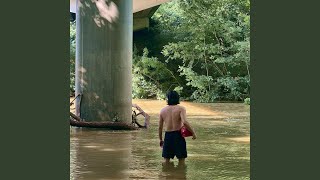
[[221, 151]]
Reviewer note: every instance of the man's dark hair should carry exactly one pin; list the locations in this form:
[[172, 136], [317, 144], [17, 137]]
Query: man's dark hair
[[173, 98]]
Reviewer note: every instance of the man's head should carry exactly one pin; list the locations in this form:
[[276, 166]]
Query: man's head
[[173, 98]]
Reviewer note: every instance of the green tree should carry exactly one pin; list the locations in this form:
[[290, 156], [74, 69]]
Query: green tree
[[151, 78], [72, 56], [211, 46]]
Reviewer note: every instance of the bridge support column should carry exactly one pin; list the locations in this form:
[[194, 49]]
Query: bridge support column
[[104, 60]]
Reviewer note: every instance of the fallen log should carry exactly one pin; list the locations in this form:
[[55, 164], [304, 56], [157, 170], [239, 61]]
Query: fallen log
[[134, 121], [78, 122], [144, 114], [106, 124], [75, 117]]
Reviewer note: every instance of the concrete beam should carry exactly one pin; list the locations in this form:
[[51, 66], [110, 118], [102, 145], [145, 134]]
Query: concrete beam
[[140, 23], [138, 5]]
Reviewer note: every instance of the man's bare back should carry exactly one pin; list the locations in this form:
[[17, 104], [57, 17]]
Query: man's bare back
[[171, 116]]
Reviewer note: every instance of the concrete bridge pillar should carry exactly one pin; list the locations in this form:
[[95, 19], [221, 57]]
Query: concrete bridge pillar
[[104, 59]]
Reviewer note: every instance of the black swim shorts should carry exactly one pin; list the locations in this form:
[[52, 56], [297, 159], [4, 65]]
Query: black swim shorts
[[174, 145]]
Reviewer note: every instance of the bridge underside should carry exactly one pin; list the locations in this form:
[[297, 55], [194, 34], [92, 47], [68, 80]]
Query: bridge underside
[[142, 12]]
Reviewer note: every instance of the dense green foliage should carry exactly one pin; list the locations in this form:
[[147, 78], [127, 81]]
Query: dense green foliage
[[72, 55], [199, 48], [150, 76], [207, 49]]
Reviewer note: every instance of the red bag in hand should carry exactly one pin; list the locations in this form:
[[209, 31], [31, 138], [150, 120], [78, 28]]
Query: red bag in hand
[[185, 132]]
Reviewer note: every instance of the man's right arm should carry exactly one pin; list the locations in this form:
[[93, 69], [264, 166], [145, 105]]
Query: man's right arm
[[160, 129]]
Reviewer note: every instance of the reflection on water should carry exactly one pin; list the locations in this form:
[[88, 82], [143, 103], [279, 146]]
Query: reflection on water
[[99, 154], [222, 150], [170, 171]]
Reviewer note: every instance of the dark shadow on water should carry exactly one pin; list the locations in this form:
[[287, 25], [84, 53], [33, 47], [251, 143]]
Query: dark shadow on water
[[170, 171]]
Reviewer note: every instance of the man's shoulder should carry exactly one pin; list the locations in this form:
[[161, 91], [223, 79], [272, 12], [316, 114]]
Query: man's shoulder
[[177, 106], [181, 107], [163, 109]]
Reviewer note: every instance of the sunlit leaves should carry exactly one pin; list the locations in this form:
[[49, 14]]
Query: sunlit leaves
[[212, 41]]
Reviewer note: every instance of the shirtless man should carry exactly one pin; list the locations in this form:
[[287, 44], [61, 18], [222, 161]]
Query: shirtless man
[[173, 117]]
